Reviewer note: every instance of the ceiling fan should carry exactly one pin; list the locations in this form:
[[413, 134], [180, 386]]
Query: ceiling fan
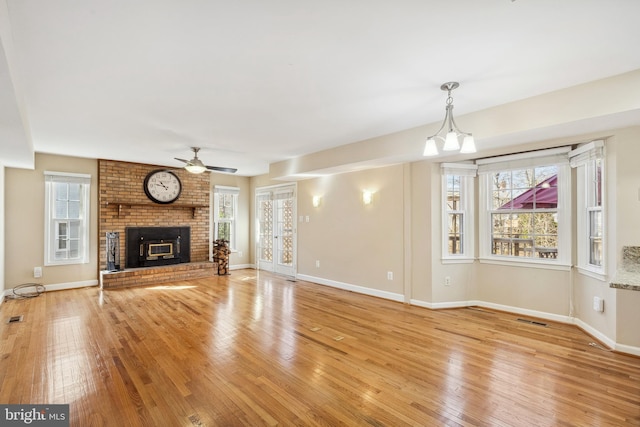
[[195, 165]]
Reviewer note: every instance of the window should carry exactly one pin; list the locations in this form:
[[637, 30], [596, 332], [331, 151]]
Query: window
[[67, 198], [457, 215], [588, 160], [225, 210], [525, 207]]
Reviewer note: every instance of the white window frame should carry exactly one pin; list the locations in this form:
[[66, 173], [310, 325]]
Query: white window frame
[[50, 229], [467, 173], [583, 159], [555, 156], [234, 192]]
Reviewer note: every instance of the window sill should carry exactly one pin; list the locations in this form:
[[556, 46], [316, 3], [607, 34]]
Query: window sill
[[460, 260], [598, 275], [526, 264]]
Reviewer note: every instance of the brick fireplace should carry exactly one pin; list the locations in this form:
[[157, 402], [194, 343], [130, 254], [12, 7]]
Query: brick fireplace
[[124, 204]]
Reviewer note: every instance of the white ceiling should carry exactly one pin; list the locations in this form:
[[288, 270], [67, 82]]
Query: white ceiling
[[257, 81]]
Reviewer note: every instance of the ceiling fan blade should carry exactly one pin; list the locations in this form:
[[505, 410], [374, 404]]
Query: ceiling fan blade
[[221, 169], [183, 160]]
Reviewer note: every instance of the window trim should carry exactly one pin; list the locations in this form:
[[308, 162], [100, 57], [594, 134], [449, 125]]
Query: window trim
[[582, 159], [235, 192], [85, 224], [467, 173], [554, 156]]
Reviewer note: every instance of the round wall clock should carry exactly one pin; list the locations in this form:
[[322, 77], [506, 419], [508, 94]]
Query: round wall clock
[[162, 186]]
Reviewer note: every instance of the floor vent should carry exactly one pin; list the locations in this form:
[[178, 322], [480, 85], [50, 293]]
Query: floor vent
[[15, 319], [532, 322]]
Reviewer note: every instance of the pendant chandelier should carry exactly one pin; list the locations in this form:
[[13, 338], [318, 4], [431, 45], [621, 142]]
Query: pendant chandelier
[[451, 138]]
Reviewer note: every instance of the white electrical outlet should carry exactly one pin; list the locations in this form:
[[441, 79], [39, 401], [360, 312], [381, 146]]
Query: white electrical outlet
[[598, 304], [389, 275], [240, 254], [447, 281], [37, 272], [318, 263]]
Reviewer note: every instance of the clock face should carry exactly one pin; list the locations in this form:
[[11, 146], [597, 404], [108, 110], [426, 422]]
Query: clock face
[[162, 186]]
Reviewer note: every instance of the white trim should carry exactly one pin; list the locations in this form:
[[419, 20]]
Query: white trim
[[226, 189], [595, 333], [628, 349], [242, 266], [8, 293], [458, 260], [584, 153], [526, 312], [68, 174], [532, 263], [274, 187], [441, 305], [71, 285], [354, 288], [593, 274], [462, 169]]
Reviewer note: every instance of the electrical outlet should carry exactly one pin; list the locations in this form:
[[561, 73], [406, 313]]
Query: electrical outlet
[[598, 304], [389, 275], [240, 254], [447, 281], [318, 263], [37, 272]]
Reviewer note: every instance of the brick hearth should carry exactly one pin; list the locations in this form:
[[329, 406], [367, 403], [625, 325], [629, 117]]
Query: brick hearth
[[147, 276]]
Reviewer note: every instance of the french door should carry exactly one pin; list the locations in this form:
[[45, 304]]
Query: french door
[[276, 214]]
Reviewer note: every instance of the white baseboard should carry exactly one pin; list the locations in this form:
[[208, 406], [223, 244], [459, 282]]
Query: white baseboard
[[71, 285], [241, 266], [526, 312], [354, 288], [627, 349], [56, 287], [441, 305]]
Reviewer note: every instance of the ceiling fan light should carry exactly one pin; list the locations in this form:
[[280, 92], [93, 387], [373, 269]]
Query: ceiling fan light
[[194, 168], [468, 144], [451, 142], [430, 148]]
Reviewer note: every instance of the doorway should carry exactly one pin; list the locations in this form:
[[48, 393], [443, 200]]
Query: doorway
[[276, 221]]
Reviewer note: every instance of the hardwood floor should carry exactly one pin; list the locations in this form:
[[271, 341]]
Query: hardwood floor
[[255, 349]]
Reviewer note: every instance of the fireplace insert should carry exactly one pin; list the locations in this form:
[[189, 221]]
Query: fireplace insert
[[153, 246]]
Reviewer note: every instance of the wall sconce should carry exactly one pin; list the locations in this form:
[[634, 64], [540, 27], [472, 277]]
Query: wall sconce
[[367, 197], [316, 201]]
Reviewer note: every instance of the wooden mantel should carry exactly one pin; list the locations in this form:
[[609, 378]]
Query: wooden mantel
[[193, 208]]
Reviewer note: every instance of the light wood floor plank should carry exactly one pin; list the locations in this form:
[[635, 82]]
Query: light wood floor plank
[[254, 349]]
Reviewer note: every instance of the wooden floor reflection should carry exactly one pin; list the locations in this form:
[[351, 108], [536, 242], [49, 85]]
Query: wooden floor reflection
[[256, 349]]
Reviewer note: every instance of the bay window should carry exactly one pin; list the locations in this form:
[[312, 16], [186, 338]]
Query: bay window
[[457, 216], [525, 208], [588, 160]]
